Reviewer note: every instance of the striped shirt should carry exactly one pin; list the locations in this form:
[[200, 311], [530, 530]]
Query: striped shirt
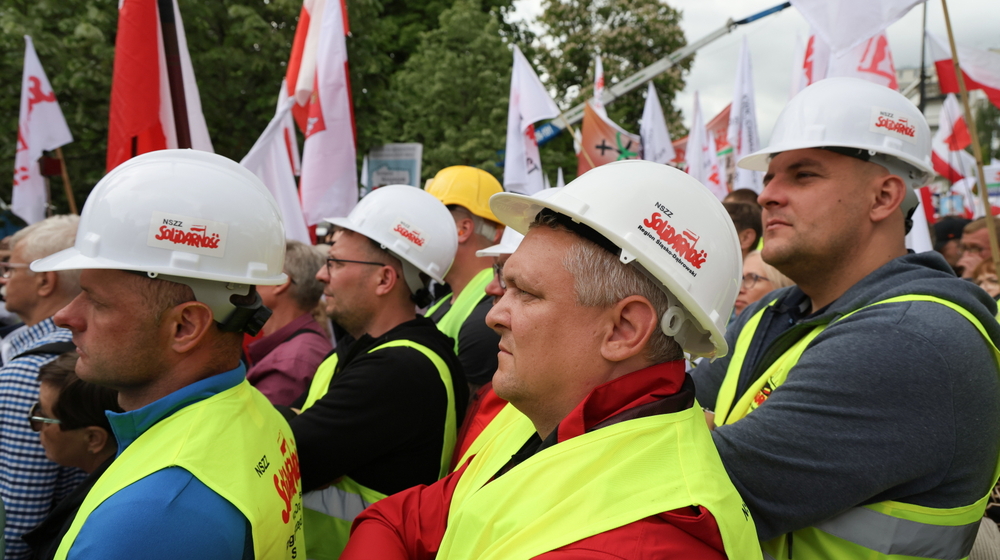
[[30, 484]]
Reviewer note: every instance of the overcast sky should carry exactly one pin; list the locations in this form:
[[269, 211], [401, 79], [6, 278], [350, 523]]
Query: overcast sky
[[772, 43]]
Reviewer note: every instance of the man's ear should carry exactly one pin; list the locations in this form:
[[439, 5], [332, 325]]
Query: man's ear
[[386, 279], [46, 283], [634, 321], [97, 438], [499, 233], [889, 193], [748, 239], [278, 290], [188, 324], [466, 229]]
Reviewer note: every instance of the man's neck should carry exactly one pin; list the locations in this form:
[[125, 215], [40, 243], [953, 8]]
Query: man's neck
[[187, 372], [385, 320], [827, 286], [281, 315], [466, 266]]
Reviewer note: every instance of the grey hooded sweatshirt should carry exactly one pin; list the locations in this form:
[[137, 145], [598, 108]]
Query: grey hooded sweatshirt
[[899, 401]]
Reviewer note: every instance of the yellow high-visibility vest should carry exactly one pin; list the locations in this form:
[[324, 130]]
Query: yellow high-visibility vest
[[591, 484], [885, 530], [237, 445], [451, 323], [329, 512]]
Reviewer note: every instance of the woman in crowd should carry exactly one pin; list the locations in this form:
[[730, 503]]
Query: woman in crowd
[[70, 420], [759, 278]]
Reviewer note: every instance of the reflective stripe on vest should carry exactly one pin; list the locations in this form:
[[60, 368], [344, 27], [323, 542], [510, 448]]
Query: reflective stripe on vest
[[235, 443], [872, 531], [452, 321], [591, 484], [329, 512]]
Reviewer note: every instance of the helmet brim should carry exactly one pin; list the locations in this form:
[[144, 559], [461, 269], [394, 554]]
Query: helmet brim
[[73, 259]]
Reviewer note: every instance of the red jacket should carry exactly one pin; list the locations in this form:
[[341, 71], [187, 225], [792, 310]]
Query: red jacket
[[410, 525]]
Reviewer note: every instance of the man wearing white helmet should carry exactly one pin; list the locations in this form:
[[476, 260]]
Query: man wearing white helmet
[[171, 245], [382, 411], [859, 413], [599, 299]]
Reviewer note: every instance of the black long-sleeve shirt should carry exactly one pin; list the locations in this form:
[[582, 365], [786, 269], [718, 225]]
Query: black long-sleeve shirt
[[382, 420]]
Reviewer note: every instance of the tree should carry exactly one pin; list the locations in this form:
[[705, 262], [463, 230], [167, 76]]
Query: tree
[[451, 94], [629, 35], [987, 118]]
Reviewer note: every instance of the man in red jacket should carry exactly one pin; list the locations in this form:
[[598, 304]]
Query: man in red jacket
[[607, 288]]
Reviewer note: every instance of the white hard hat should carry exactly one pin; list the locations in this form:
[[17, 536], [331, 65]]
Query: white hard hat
[[853, 114], [189, 217], [511, 240], [412, 225], [664, 221]]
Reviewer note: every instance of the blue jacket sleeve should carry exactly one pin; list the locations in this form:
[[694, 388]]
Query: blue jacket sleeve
[[169, 514]]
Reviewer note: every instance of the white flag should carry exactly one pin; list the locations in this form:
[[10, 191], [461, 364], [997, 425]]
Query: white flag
[[919, 237], [798, 75], [742, 133], [329, 172], [529, 102], [560, 181], [40, 127], [271, 160], [598, 103], [871, 60], [656, 144], [845, 24], [700, 157]]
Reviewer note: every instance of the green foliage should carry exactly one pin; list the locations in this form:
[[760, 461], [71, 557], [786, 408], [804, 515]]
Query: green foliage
[[987, 118], [451, 94], [629, 35]]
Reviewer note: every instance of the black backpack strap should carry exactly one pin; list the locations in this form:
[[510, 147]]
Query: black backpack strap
[[50, 348]]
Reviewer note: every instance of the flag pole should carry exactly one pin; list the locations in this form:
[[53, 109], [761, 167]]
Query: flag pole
[[66, 185], [976, 149], [572, 132]]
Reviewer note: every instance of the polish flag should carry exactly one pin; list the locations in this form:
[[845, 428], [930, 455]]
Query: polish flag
[[871, 60], [981, 69], [845, 24], [301, 75], [40, 126], [701, 159], [948, 156], [142, 109], [274, 160], [742, 130], [598, 101], [529, 102], [656, 143], [329, 182]]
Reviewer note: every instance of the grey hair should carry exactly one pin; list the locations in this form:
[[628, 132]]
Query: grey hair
[[602, 280], [302, 262], [48, 237], [486, 229]]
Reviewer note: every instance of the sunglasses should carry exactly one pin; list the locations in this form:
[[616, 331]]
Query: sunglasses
[[38, 421]]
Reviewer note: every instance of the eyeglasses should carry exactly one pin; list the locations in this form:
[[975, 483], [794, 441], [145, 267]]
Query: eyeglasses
[[7, 268], [973, 249], [498, 272], [750, 280], [330, 261], [37, 421]]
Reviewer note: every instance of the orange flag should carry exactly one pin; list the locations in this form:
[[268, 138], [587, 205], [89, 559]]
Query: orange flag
[[604, 142]]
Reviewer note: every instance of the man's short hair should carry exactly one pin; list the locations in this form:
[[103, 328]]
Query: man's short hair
[[746, 216], [980, 223], [486, 230], [747, 196], [48, 237], [602, 280], [302, 262]]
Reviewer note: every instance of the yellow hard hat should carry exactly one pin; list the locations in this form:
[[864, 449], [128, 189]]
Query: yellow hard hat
[[468, 187]]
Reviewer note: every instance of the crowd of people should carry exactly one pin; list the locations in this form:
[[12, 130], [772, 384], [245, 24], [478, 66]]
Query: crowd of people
[[624, 367]]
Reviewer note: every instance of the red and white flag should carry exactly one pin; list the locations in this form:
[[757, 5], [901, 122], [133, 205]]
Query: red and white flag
[[529, 103], [142, 111], [701, 158], [598, 101], [742, 133], [845, 24], [40, 127], [329, 182], [274, 160], [948, 155], [871, 60], [981, 69], [301, 74]]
